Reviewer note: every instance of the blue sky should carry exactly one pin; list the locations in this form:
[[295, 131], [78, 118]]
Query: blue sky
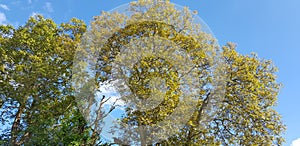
[[270, 28]]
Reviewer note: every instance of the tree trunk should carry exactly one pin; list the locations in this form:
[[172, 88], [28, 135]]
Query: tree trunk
[[16, 125]]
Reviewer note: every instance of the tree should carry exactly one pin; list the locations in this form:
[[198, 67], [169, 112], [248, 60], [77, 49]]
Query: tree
[[246, 115], [157, 46], [156, 56], [37, 106]]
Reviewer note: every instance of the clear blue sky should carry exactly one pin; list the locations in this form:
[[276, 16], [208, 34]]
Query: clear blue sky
[[270, 28]]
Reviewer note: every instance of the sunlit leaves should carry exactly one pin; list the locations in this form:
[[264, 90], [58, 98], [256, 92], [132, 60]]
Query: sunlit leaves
[[245, 115], [35, 69]]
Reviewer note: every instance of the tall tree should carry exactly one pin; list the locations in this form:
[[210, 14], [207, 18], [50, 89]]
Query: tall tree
[[37, 106], [246, 115], [160, 62], [157, 46]]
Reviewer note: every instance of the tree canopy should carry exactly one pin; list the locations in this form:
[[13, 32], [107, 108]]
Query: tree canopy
[[161, 61], [176, 85], [37, 106]]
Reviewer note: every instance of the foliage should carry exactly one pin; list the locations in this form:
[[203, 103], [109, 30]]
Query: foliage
[[241, 115], [246, 115], [37, 100], [37, 106]]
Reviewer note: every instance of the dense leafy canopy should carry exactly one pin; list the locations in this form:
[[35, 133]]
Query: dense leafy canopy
[[36, 95], [36, 103], [244, 115]]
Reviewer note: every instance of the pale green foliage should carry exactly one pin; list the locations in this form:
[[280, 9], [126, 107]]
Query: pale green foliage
[[251, 94], [167, 44], [244, 115], [36, 61]]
